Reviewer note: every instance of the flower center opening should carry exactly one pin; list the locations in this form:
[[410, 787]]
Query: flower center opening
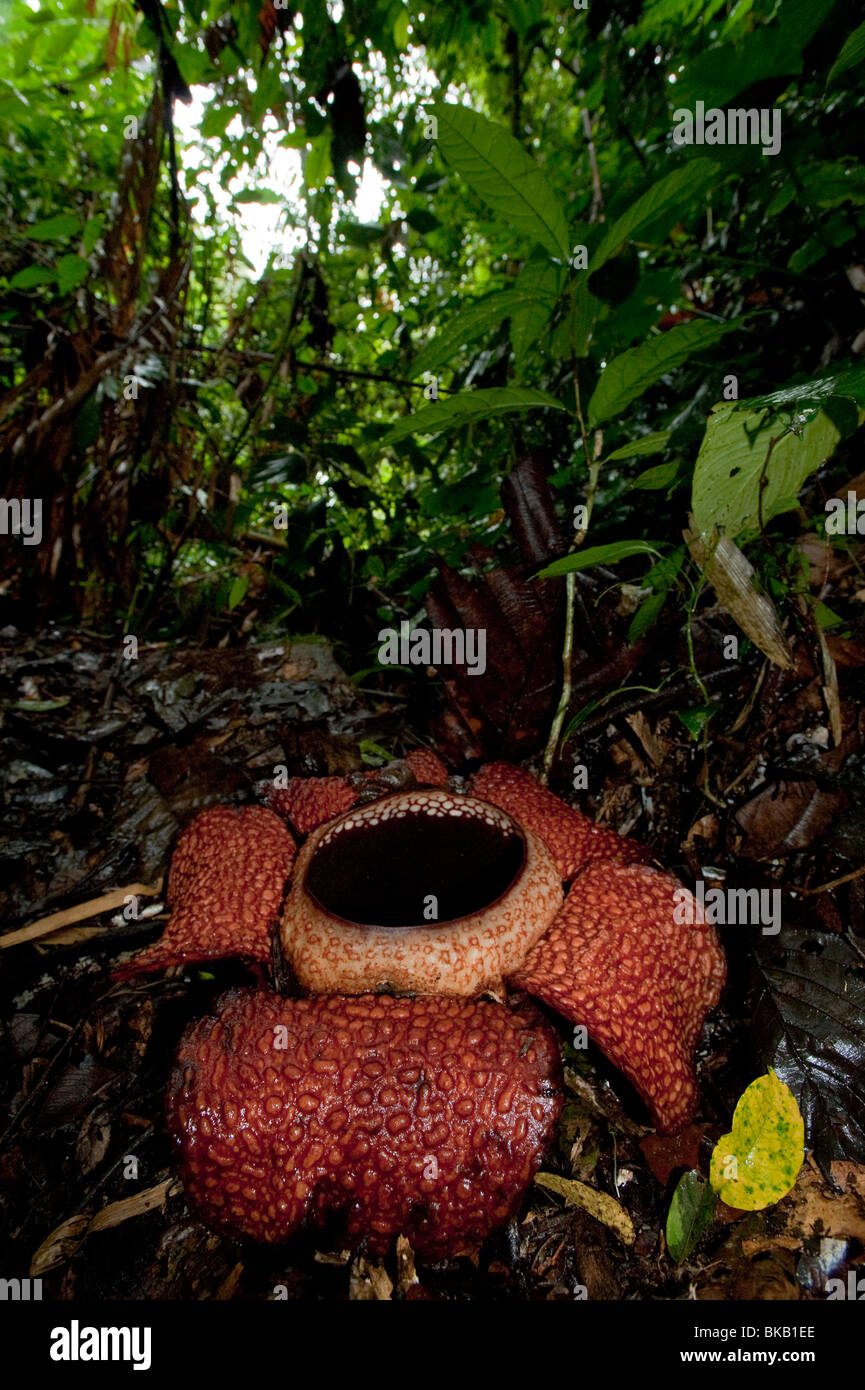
[[415, 867]]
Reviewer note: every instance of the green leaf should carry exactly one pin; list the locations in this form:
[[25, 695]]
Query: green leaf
[[258, 195], [734, 462], [691, 1212], [852, 53], [317, 163], [93, 231], [646, 444], [696, 718], [824, 616], [216, 120], [757, 1163], [372, 753], [31, 276], [468, 407], [71, 272], [653, 479], [497, 168], [538, 286], [59, 228], [237, 592], [646, 615], [634, 371], [476, 320], [809, 397], [720, 73], [666, 198], [400, 30], [597, 555]]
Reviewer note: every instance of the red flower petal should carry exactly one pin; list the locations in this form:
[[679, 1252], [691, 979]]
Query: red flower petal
[[225, 888], [616, 960], [427, 767], [307, 802], [572, 839], [426, 1117]]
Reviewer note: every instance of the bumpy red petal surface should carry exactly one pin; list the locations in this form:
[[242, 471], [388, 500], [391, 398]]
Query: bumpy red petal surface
[[571, 838], [308, 802], [427, 767], [422, 1116], [617, 961], [225, 888]]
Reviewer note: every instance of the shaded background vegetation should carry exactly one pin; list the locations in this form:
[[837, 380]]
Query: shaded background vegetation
[[123, 270]]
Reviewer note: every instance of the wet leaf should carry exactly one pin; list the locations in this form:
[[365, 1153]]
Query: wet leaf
[[691, 1212], [809, 1027], [756, 1164]]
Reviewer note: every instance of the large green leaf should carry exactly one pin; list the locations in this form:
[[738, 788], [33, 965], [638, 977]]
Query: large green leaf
[[476, 320], [669, 197], [497, 168], [632, 372], [468, 407], [807, 398], [538, 285], [806, 420]]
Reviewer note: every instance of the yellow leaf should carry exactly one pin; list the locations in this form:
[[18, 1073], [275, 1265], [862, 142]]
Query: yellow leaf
[[598, 1204], [757, 1163]]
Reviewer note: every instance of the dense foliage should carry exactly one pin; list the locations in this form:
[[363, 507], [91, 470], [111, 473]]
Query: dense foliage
[[227, 451]]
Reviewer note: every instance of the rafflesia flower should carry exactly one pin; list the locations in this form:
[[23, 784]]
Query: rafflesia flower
[[392, 1096]]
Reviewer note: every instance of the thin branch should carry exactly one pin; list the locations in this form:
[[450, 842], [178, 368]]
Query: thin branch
[[250, 355]]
